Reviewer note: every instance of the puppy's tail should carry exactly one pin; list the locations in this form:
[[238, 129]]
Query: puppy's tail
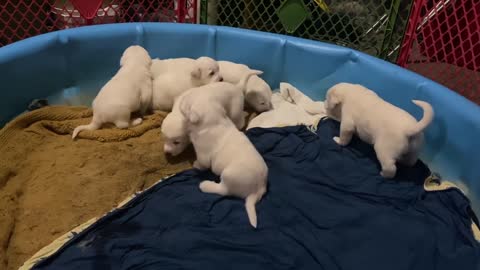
[[242, 84], [250, 203], [426, 119], [95, 124]]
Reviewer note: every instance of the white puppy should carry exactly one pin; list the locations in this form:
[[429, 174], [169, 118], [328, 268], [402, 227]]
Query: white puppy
[[174, 130], [161, 66], [219, 145], [130, 90], [228, 95], [258, 93], [175, 79], [395, 134]]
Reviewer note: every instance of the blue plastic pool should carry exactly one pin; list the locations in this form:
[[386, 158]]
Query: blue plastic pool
[[76, 62]]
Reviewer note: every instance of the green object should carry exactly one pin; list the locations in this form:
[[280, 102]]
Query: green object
[[292, 13], [203, 11], [390, 28]]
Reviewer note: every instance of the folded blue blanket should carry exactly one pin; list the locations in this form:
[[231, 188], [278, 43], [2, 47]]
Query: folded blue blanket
[[327, 207]]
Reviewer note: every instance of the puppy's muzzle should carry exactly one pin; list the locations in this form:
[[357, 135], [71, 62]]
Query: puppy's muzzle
[[270, 106]]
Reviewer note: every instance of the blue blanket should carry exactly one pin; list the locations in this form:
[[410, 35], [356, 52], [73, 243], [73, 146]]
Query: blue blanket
[[326, 208]]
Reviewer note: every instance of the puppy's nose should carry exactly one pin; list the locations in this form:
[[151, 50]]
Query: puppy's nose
[[220, 79]]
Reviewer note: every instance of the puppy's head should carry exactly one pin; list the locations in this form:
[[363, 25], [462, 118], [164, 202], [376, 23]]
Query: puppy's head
[[333, 103], [205, 71], [175, 134], [259, 101], [136, 55], [197, 113]]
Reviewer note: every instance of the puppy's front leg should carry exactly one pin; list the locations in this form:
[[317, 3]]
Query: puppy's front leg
[[197, 165], [346, 132], [240, 120]]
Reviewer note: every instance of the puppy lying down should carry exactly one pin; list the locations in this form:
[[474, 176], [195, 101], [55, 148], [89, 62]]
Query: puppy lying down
[[228, 95], [177, 76], [161, 66], [219, 145], [130, 90], [257, 93], [395, 134]]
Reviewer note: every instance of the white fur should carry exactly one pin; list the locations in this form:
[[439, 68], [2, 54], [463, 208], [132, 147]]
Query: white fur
[[258, 93], [295, 96], [161, 66], [219, 145], [130, 90], [228, 95], [395, 134], [175, 77], [174, 130]]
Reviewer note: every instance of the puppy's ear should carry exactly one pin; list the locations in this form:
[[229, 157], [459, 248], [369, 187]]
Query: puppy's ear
[[196, 73], [188, 112], [184, 107], [193, 117], [251, 97], [123, 59]]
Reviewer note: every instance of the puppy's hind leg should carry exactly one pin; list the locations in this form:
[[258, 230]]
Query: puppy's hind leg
[[122, 117], [415, 146], [136, 122], [409, 158], [208, 186], [346, 132], [122, 124], [386, 159]]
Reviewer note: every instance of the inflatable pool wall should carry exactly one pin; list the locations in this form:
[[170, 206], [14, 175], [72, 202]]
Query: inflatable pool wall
[[84, 58]]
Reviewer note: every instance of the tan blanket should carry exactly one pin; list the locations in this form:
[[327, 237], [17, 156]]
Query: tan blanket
[[49, 184]]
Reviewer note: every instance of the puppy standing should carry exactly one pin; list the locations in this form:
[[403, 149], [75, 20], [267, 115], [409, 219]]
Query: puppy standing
[[219, 145], [228, 95], [395, 134], [178, 78], [130, 90], [258, 93]]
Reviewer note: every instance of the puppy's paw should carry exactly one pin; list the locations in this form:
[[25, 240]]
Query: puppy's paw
[[136, 122], [205, 186], [198, 166], [388, 173], [337, 140]]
